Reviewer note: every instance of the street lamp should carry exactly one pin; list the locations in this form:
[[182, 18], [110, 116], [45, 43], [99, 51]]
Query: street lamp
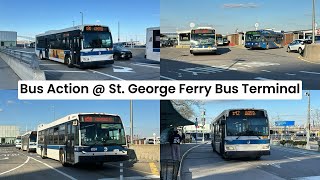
[[313, 21], [308, 121], [81, 17]]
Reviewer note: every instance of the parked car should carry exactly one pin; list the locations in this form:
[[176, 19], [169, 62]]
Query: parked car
[[298, 45], [120, 52]]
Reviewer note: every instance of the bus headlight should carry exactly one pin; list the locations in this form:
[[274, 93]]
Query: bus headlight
[[265, 146], [230, 148]]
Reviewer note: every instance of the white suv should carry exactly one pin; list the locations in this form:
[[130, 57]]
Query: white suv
[[298, 45]]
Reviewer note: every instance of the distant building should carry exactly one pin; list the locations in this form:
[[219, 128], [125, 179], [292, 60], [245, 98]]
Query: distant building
[[8, 38], [8, 134]]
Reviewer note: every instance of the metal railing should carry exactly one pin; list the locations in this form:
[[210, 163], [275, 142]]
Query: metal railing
[[28, 58]]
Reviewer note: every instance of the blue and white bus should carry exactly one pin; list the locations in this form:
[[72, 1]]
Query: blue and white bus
[[17, 142], [203, 40], [241, 133], [29, 141], [153, 44], [87, 45], [264, 39], [83, 138]]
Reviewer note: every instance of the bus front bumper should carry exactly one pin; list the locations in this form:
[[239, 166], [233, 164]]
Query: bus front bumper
[[239, 154], [96, 63], [103, 158], [203, 50]]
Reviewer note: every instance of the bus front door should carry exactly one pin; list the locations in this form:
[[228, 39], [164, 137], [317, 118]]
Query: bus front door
[[70, 144]]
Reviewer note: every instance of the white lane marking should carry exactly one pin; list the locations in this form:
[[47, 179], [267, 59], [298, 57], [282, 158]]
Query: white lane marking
[[275, 165], [265, 70], [146, 65], [134, 177], [106, 75], [290, 74], [16, 167], [292, 158], [4, 158], [182, 158], [261, 78], [122, 69], [309, 72], [68, 176], [62, 71], [307, 178], [164, 77], [50, 64]]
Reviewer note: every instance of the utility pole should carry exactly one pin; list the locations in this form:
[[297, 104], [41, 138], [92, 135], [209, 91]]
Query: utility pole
[[313, 21], [118, 31], [81, 17], [308, 121], [131, 122]]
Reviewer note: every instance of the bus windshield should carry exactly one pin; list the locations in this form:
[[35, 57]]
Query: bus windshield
[[253, 37], [203, 39], [247, 126], [33, 138], [93, 133], [97, 40]]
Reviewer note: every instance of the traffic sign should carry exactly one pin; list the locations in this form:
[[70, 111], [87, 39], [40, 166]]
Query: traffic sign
[[284, 123]]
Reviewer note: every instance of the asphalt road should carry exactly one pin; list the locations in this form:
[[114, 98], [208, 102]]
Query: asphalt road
[[235, 63], [16, 164], [137, 68], [8, 78], [283, 163]]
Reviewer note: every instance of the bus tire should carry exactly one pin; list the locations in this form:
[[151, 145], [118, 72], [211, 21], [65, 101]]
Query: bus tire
[[69, 62], [300, 50], [42, 154], [61, 158], [40, 56]]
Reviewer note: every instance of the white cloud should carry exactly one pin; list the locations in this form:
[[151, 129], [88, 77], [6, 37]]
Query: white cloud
[[1, 110], [248, 5]]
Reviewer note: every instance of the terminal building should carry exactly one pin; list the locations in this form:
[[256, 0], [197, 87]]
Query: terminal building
[[8, 38], [8, 134]]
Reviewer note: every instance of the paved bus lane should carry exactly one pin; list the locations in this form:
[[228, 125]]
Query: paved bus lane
[[283, 163]]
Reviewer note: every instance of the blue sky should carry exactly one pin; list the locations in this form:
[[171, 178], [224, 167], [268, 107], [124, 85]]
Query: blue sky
[[146, 114], [228, 15], [31, 17], [295, 110]]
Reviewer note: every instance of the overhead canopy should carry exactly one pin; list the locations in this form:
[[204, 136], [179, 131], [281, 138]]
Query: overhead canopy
[[169, 117]]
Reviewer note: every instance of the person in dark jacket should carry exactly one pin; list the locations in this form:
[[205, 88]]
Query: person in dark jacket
[[175, 140]]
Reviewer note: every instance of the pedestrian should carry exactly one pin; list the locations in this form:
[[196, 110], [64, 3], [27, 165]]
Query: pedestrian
[[175, 145], [183, 138]]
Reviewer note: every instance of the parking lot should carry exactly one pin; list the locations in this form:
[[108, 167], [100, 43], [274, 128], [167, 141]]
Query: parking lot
[[238, 63]]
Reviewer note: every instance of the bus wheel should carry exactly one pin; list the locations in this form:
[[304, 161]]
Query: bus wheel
[[69, 62], [62, 159], [42, 154], [40, 56]]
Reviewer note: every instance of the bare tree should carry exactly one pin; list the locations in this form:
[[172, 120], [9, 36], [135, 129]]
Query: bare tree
[[187, 107]]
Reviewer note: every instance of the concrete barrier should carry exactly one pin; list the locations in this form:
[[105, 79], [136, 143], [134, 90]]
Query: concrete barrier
[[23, 70], [312, 52], [147, 152]]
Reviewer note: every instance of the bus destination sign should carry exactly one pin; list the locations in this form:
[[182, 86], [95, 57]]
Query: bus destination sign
[[242, 113], [95, 28], [104, 119], [203, 31]]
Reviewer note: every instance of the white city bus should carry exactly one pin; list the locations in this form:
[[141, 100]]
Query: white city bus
[[241, 133], [83, 138], [87, 45], [29, 141], [18, 142], [203, 40], [153, 44]]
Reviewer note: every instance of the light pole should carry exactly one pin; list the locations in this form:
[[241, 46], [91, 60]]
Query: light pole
[[81, 17], [308, 121], [131, 122], [313, 21], [118, 31]]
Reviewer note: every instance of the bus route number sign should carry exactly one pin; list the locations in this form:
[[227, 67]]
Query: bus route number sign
[[94, 28], [243, 113]]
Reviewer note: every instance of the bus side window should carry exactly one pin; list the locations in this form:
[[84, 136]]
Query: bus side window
[[62, 134]]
